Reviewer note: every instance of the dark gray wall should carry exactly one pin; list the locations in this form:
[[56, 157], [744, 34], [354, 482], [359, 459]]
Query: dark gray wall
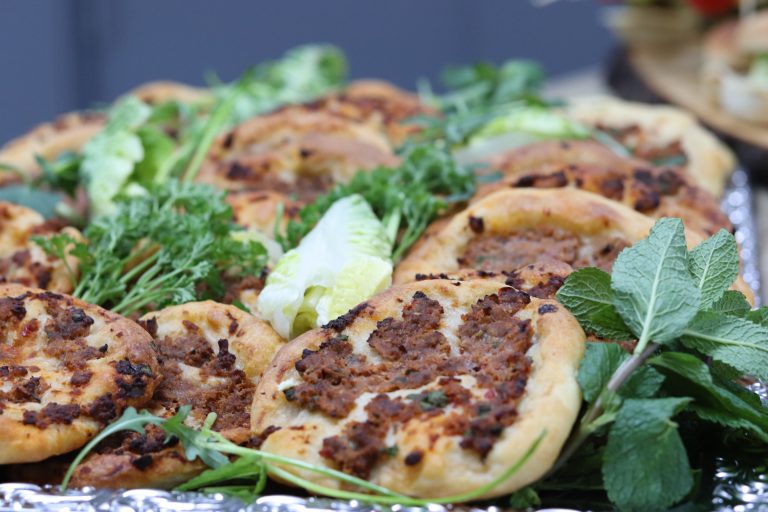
[[57, 55]]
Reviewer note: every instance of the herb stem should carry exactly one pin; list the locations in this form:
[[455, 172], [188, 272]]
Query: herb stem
[[594, 417]]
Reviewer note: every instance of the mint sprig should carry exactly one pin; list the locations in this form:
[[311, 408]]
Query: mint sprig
[[677, 305]]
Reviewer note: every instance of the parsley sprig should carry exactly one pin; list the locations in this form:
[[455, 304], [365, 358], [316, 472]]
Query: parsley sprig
[[245, 475], [158, 249], [406, 198], [677, 305]]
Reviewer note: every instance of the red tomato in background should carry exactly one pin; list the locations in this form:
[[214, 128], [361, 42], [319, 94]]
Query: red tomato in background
[[713, 7]]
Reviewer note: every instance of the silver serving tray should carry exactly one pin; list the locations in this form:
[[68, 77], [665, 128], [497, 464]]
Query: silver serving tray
[[736, 489]]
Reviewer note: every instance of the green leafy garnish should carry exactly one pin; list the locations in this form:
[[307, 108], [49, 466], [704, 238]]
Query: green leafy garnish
[[406, 198], [244, 476], [158, 248], [645, 466], [677, 304]]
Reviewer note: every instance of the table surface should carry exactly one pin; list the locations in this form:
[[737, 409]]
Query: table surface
[[590, 81]]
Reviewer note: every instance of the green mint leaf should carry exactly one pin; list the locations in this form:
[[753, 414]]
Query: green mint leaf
[[599, 363], [732, 303], [654, 291], [734, 341], [713, 400], [588, 296], [714, 264], [645, 466], [524, 499], [759, 316]]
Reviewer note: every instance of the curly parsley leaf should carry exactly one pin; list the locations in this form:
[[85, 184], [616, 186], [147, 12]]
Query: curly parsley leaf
[[588, 296], [734, 341], [645, 465], [156, 249], [714, 264], [654, 292], [406, 198]]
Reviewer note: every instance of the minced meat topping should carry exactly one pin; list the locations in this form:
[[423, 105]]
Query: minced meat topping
[[506, 252], [492, 346]]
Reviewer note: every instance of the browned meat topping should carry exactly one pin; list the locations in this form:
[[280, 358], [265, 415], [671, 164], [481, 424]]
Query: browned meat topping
[[492, 348], [547, 308], [341, 323], [51, 414], [12, 311], [103, 409], [133, 379], [257, 440], [66, 323], [476, 224], [252, 172], [73, 354], [498, 253], [230, 395], [543, 289]]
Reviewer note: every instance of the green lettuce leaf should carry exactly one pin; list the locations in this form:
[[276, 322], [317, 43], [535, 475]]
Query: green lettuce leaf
[[344, 260]]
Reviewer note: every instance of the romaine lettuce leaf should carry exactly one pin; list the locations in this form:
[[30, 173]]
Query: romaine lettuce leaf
[[344, 260]]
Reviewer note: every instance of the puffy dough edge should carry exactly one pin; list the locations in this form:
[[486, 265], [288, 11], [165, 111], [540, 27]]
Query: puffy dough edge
[[710, 162], [578, 211], [446, 469], [38, 444]]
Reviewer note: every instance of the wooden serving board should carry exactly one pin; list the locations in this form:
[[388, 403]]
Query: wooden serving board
[[673, 74]]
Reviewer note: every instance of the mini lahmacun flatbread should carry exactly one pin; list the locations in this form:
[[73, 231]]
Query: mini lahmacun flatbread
[[653, 191], [211, 357], [24, 262], [255, 209], [376, 103], [67, 368], [659, 133], [294, 152], [430, 389], [69, 132], [511, 228]]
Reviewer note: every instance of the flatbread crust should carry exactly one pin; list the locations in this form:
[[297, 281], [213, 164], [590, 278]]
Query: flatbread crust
[[161, 91], [68, 368], [429, 461], [69, 132], [653, 191], [589, 216], [294, 152], [709, 162], [24, 262], [376, 103], [212, 356]]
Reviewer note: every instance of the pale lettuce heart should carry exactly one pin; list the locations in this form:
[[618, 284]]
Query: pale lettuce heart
[[344, 260], [517, 128]]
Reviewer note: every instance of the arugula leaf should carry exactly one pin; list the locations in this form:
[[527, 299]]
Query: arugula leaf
[[406, 198], [196, 442], [61, 174], [600, 362], [654, 293], [588, 296], [130, 420], [645, 465], [42, 201], [733, 303], [714, 264], [688, 375], [247, 467], [730, 340]]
